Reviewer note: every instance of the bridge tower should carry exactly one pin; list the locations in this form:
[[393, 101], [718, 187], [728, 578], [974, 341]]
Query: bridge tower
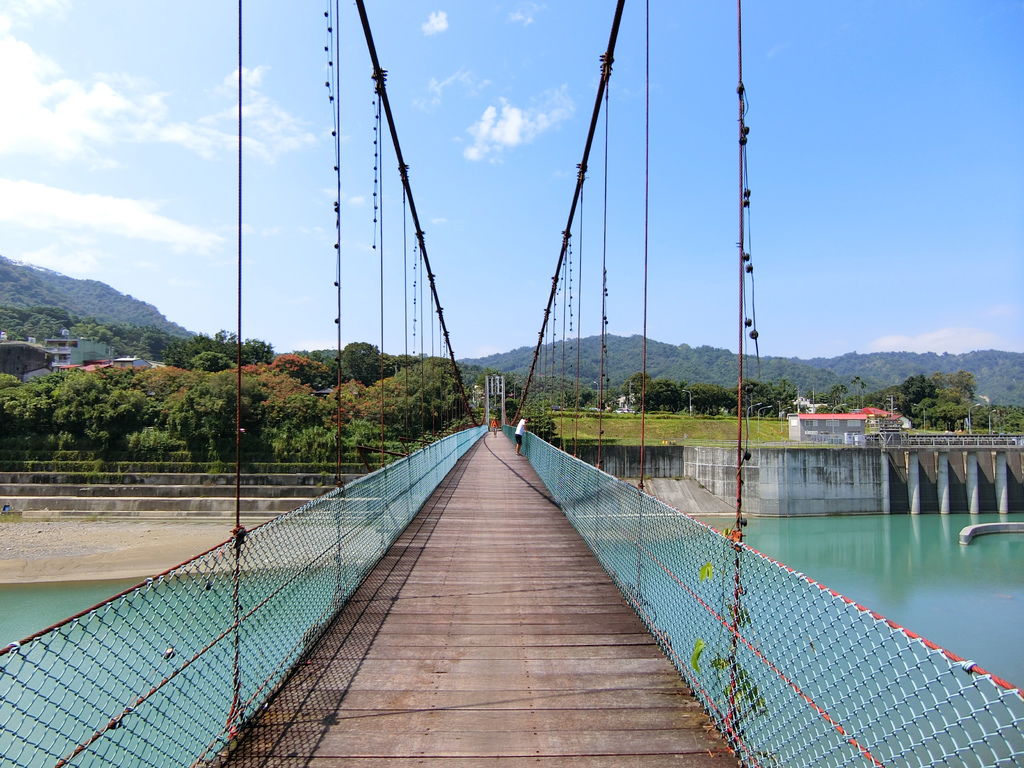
[[494, 384]]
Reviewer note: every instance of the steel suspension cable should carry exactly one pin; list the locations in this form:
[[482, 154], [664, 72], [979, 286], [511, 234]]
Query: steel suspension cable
[[744, 200], [238, 296], [406, 427], [238, 533], [731, 724], [604, 299], [579, 324], [380, 78], [566, 319], [333, 49], [606, 71], [378, 171], [647, 209]]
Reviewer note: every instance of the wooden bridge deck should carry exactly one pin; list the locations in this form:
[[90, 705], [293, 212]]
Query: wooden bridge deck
[[488, 635]]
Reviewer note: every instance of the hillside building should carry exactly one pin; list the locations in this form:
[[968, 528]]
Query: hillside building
[[827, 427], [67, 351], [23, 359]]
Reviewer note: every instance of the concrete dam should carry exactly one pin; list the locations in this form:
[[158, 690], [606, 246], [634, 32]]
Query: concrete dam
[[782, 481]]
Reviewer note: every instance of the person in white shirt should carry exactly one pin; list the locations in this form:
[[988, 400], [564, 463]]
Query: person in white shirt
[[520, 431]]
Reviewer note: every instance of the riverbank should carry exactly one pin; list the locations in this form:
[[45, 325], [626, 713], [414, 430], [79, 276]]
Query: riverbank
[[38, 551]]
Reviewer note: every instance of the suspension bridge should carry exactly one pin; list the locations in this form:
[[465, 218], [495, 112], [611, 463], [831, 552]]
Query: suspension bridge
[[466, 605]]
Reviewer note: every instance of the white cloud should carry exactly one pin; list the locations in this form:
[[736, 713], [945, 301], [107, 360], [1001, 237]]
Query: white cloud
[[23, 10], [435, 23], [471, 86], [66, 260], [525, 13], [1004, 311], [64, 119], [37, 206], [505, 126], [952, 340], [484, 351], [268, 130], [56, 116], [356, 200], [309, 344]]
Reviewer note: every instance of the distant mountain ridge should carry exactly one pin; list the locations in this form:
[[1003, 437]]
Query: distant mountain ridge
[[26, 286], [999, 375]]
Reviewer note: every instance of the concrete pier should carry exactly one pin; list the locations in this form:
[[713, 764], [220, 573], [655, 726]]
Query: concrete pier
[[942, 474], [914, 483], [973, 496], [883, 472], [1002, 491]]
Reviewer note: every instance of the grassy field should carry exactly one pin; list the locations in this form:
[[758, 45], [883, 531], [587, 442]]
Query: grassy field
[[665, 429]]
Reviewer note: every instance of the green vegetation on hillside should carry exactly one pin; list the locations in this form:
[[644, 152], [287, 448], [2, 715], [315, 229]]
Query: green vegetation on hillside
[[999, 375], [26, 286], [172, 414]]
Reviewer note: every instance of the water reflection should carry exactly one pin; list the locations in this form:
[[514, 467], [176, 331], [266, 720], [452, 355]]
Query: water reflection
[[913, 570]]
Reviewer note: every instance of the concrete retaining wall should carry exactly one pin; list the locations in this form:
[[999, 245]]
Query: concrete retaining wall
[[785, 482]]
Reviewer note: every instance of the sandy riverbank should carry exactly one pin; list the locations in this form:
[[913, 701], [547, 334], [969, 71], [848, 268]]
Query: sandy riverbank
[[33, 551]]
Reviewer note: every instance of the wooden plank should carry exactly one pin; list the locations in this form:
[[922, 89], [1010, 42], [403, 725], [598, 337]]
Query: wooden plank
[[487, 635]]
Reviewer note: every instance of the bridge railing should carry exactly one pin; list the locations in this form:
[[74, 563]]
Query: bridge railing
[[168, 672], [792, 673]]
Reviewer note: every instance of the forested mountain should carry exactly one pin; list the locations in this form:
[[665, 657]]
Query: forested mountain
[[999, 375], [27, 286]]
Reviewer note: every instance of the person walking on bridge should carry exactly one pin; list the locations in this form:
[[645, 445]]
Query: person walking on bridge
[[520, 431]]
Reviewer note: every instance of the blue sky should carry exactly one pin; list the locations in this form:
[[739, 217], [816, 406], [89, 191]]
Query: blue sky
[[885, 162]]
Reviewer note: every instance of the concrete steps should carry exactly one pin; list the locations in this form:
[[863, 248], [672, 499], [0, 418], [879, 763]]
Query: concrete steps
[[42, 496]]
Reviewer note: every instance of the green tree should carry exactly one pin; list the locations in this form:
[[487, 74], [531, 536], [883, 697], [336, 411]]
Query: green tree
[[360, 361], [193, 353], [101, 407], [315, 374], [664, 395], [915, 389], [211, 361], [204, 415], [858, 382], [712, 399]]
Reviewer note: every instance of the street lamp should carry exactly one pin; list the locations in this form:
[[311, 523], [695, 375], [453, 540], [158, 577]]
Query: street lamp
[[970, 424], [690, 397], [750, 407]]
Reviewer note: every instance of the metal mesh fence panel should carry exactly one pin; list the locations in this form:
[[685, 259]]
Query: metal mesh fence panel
[[791, 672], [166, 673]]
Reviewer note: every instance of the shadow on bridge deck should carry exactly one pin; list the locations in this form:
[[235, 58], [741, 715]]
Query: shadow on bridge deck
[[488, 634]]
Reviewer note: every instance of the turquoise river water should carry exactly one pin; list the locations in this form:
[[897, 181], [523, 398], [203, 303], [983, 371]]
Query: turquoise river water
[[913, 570], [968, 599]]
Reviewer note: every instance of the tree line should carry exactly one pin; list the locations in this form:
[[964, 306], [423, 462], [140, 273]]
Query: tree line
[[940, 401], [290, 405]]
